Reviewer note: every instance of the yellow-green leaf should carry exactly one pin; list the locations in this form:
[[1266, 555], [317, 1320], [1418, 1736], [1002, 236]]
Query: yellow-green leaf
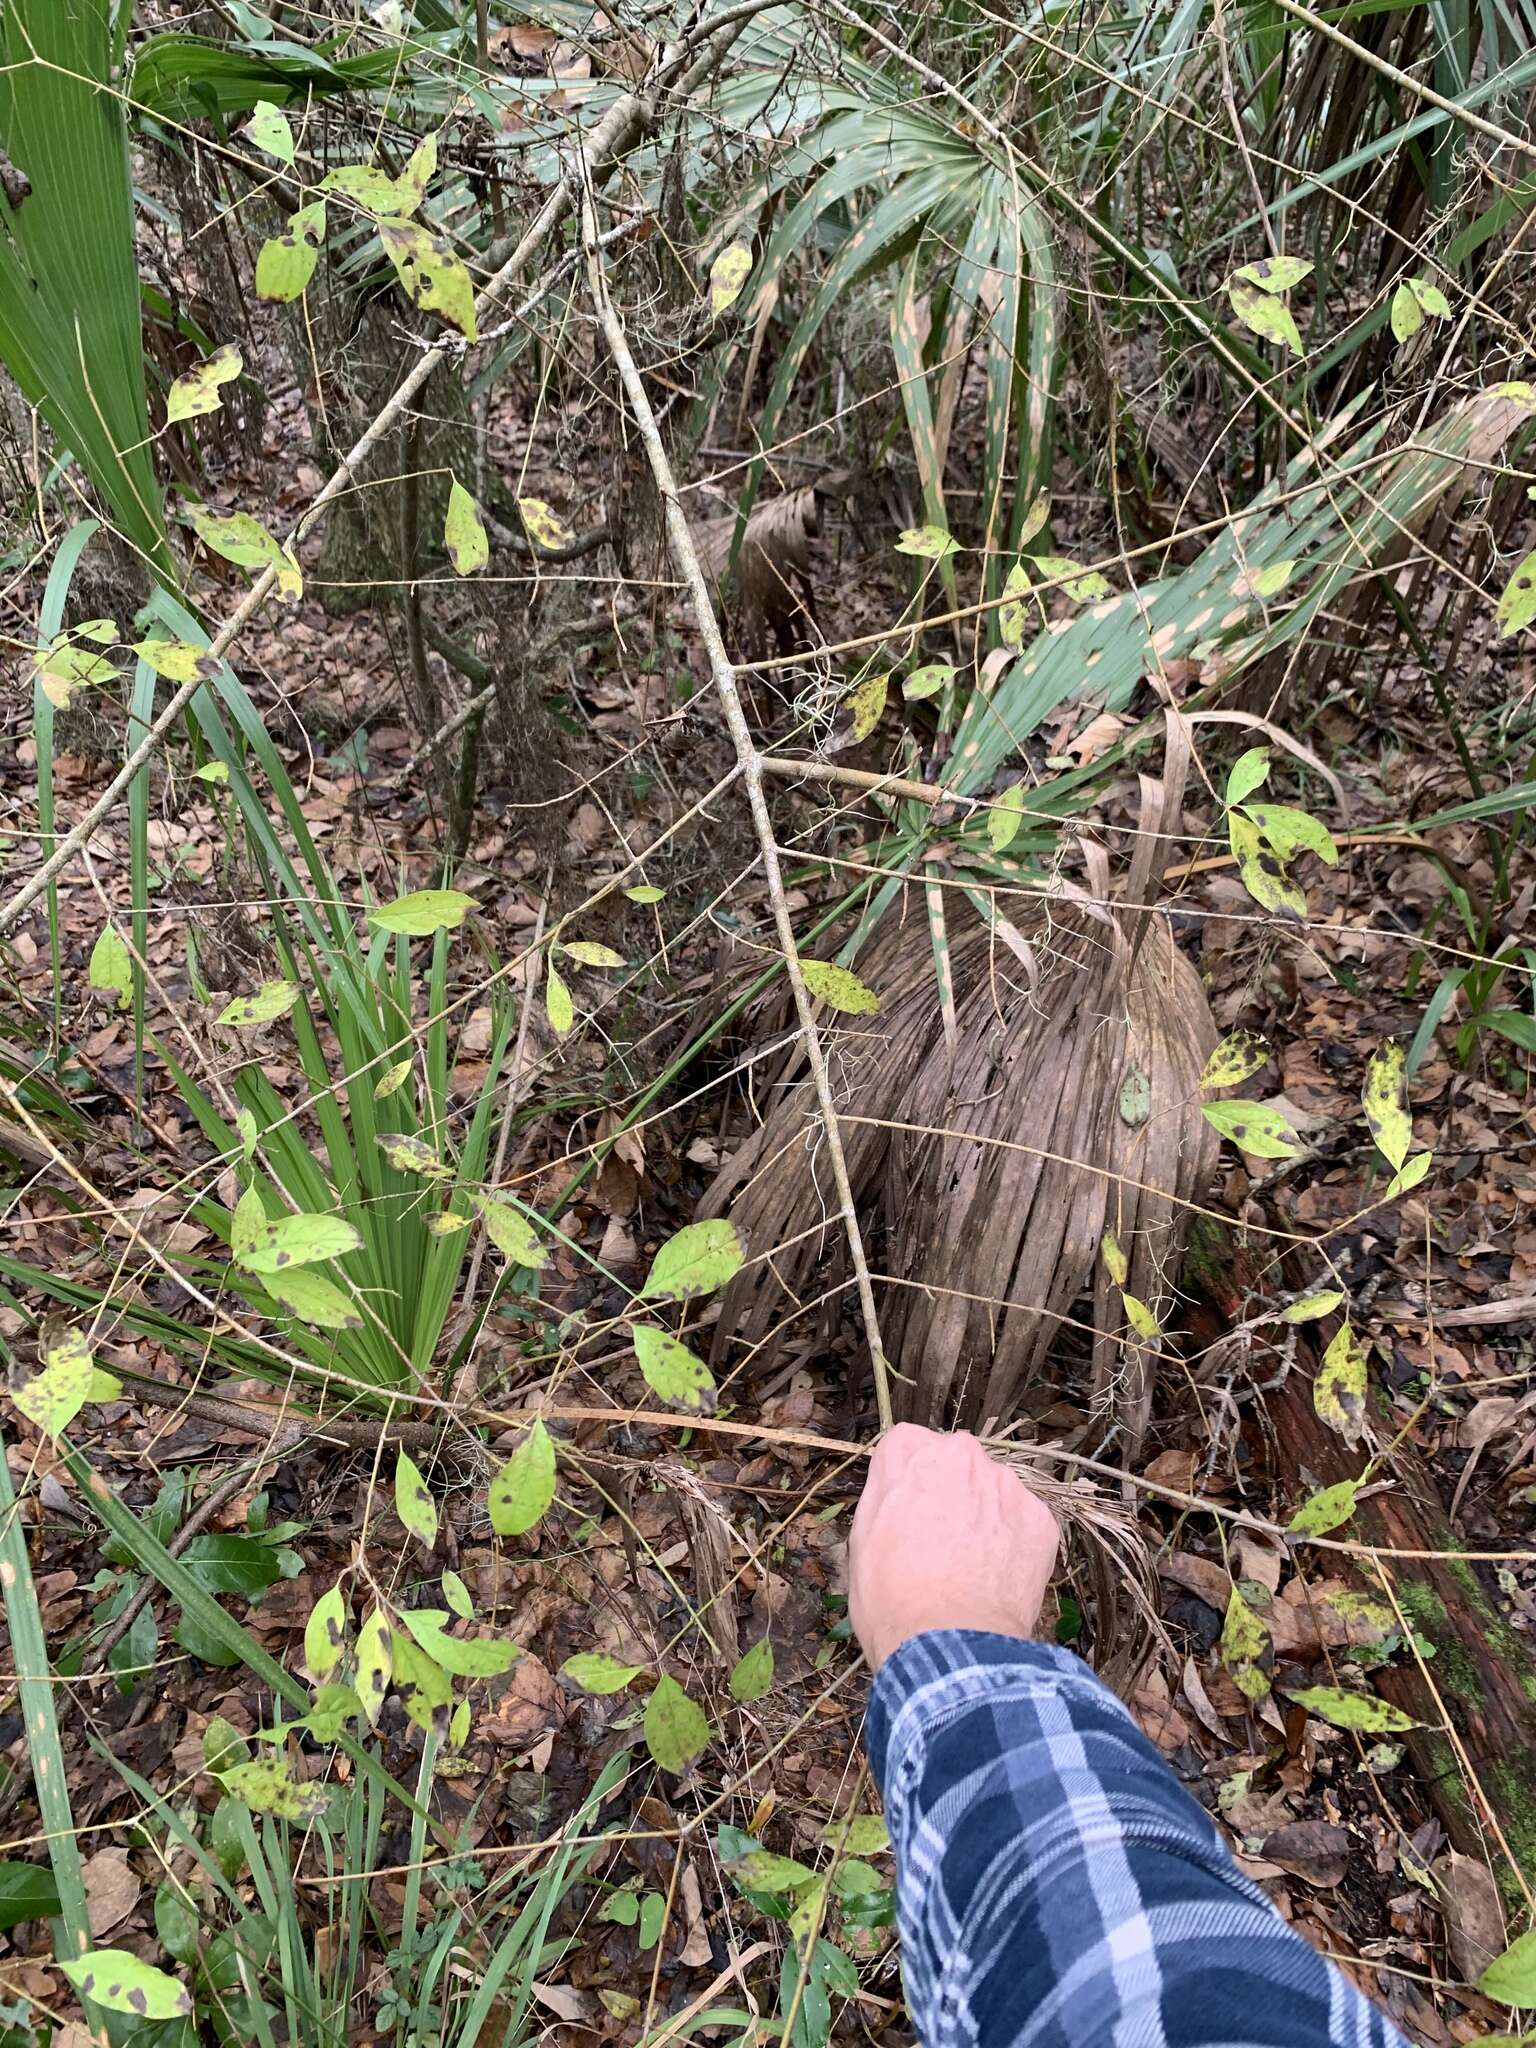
[[1266, 316], [409, 1154], [512, 1234], [422, 912], [325, 1635], [420, 171], [1275, 273], [1013, 613], [543, 525], [448, 1224], [1244, 1641], [727, 274], [1338, 1392], [645, 892], [1385, 1101], [313, 1298], [116, 1979], [673, 1372], [1329, 1508], [558, 1006], [1083, 586], [269, 131], [1407, 314], [111, 967], [590, 954], [865, 1835], [1116, 1265], [695, 1260], [675, 1728], [1290, 831], [392, 1079], [864, 704], [211, 772], [1263, 873], [299, 1241], [1517, 605], [522, 1490], [196, 391], [1312, 1306], [54, 1397], [1005, 817], [457, 1594], [430, 274], [463, 1656], [463, 533], [267, 1785], [1408, 1175], [1254, 1127], [375, 1662], [272, 1000], [1430, 297], [1360, 1710], [1234, 1060], [931, 543], [596, 1673], [838, 988], [425, 1689], [753, 1673], [1141, 1319], [246, 542], [179, 661], [413, 1503], [927, 681], [373, 190], [286, 262]]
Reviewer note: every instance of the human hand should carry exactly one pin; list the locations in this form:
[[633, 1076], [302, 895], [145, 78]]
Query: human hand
[[944, 1537]]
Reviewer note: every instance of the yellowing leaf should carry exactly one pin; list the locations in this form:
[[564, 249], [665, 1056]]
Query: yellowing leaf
[[1244, 1641], [865, 1835], [267, 1785], [413, 1503], [268, 129], [430, 274], [1409, 1175], [590, 954], [522, 1490], [211, 772], [695, 1260], [1329, 1508], [1005, 817], [456, 1593], [1116, 1265], [1338, 1392], [864, 704], [325, 1636], [543, 525], [272, 1000], [1517, 605], [373, 190], [313, 1298], [1266, 316], [1311, 1307], [675, 1728], [196, 391], [422, 912], [598, 1674], [409, 1154], [448, 1224], [246, 542], [1360, 1710], [1290, 832], [753, 1673], [512, 1234], [1275, 273], [1385, 1101], [299, 1241], [332, 1707], [1407, 314], [464, 1656], [1141, 1319], [672, 1371], [54, 1397], [1083, 586], [1263, 873], [420, 171], [116, 1979], [375, 1661], [286, 262], [931, 543], [727, 274], [392, 1079], [838, 988], [1430, 298], [1013, 613], [645, 892], [463, 534], [246, 1223], [1250, 771], [425, 1689], [1234, 1060], [927, 681], [558, 1006], [1254, 1127], [111, 967]]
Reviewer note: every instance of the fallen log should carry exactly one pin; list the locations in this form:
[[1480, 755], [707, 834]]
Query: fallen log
[[1482, 1676]]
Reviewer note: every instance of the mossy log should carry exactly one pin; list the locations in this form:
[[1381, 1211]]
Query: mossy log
[[1483, 1670]]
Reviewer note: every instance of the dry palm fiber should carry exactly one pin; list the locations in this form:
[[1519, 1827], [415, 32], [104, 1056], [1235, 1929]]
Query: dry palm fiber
[[986, 1170]]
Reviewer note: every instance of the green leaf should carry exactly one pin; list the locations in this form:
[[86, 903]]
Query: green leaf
[[409, 1154], [727, 274], [1013, 614], [753, 1673], [1385, 1101], [1517, 605], [430, 274], [299, 1241], [232, 1564], [1254, 1127], [177, 1923], [246, 542], [27, 1892], [1083, 586], [413, 1504], [653, 1917], [645, 892], [1250, 771], [1407, 314], [373, 190], [1116, 1265], [1312, 1306], [392, 1080], [196, 391], [1141, 1319], [1430, 297], [246, 1131], [1360, 1710], [927, 681], [1290, 832], [1265, 316], [511, 1233], [622, 1908], [425, 1689], [839, 989], [286, 262], [865, 705], [1235, 1060], [866, 1835], [696, 1260], [272, 1000], [592, 955], [558, 1007], [423, 912], [312, 1298], [931, 543], [1510, 1979], [1244, 1641], [212, 772], [1263, 873], [269, 131], [544, 526], [179, 661], [1409, 1175], [111, 967], [599, 1674], [267, 1785], [375, 1661], [1338, 1392], [1005, 817], [1329, 1508], [54, 1397], [330, 1711], [464, 1656], [457, 1594], [116, 1979], [325, 1636], [522, 1490], [463, 534], [762, 1871], [675, 1728], [1275, 273], [673, 1372]]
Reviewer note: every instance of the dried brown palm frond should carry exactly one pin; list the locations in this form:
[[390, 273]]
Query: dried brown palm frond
[[988, 1159]]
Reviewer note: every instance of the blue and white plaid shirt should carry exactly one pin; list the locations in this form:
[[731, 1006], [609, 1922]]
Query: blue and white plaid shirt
[[1057, 1887]]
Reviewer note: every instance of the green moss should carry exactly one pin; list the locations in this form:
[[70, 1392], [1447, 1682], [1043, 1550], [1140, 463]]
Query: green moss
[[1512, 1788], [1455, 1670]]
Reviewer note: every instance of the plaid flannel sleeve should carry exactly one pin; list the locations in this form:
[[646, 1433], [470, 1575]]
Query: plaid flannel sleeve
[[1055, 1883]]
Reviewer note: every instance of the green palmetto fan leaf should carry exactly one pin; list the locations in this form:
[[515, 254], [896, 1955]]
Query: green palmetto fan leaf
[[183, 78], [69, 287]]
